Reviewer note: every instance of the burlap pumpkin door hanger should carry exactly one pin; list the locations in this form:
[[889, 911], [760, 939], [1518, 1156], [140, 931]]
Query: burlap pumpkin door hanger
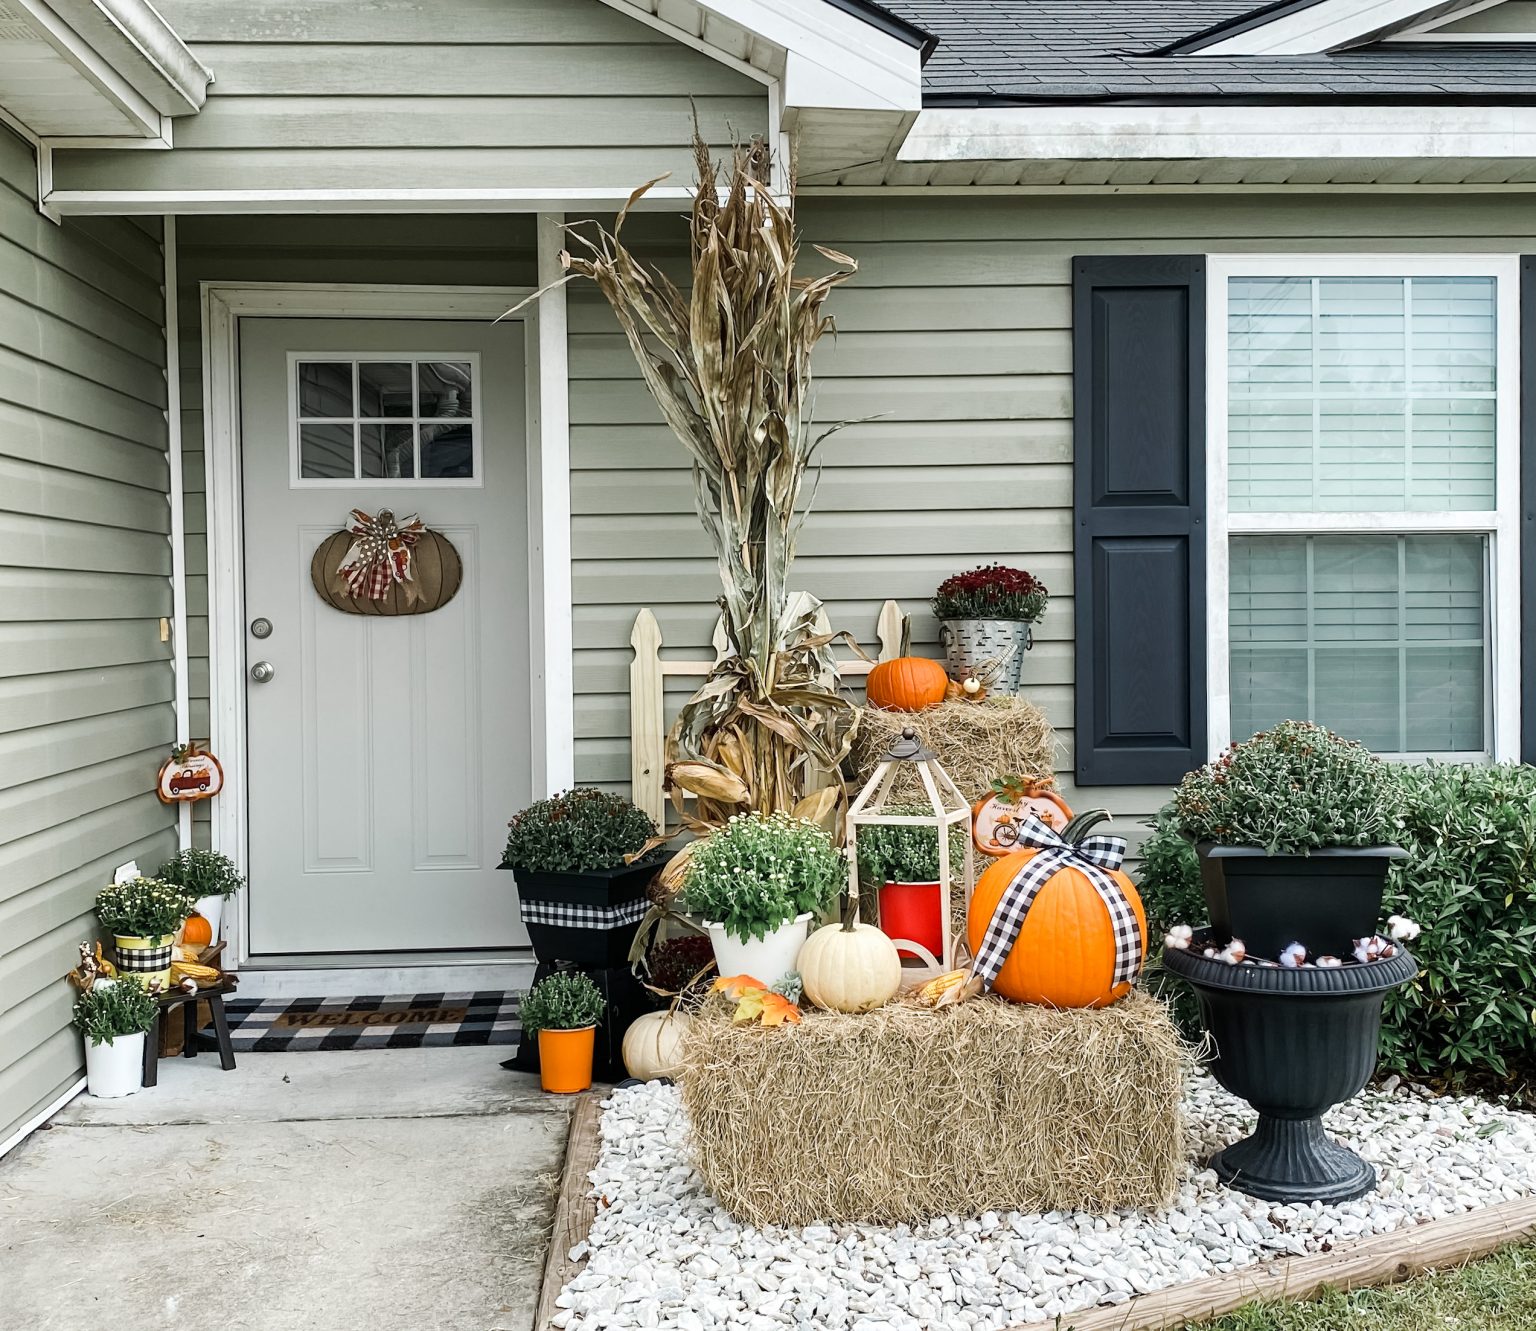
[[381, 565]]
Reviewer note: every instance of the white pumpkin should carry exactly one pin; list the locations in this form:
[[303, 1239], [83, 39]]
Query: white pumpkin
[[850, 969], [652, 1044]]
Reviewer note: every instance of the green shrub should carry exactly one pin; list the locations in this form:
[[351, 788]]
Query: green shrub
[[907, 853], [566, 1001], [1291, 789], [577, 831], [1168, 880], [142, 908], [202, 873], [760, 871], [114, 1007], [1470, 882]]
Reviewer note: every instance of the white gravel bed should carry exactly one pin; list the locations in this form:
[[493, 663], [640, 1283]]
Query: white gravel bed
[[663, 1254]]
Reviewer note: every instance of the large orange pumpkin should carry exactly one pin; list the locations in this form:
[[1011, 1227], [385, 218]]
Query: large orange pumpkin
[[1064, 955], [196, 932], [907, 684]]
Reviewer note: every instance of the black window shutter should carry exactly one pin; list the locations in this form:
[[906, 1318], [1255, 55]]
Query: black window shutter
[[1139, 521], [1527, 508]]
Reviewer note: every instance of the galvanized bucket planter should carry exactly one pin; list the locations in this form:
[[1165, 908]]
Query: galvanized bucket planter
[[971, 644]]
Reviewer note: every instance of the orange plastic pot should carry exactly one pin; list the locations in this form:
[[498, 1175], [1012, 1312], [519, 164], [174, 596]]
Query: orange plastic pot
[[565, 1060], [914, 911]]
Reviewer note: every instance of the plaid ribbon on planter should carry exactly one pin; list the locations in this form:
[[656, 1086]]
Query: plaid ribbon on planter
[[575, 915], [1094, 857], [143, 960]]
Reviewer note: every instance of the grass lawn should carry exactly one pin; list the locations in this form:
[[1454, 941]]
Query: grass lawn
[[1495, 1294]]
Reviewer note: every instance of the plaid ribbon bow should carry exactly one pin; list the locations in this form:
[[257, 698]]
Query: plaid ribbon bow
[[1095, 857], [381, 554]]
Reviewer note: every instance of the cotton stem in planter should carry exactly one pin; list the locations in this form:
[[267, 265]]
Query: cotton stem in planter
[[728, 362]]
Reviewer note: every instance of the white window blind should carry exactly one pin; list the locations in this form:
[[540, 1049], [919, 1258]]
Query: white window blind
[[1368, 521], [1361, 394]]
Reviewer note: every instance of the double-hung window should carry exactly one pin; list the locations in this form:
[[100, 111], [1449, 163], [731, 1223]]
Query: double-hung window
[[1363, 500]]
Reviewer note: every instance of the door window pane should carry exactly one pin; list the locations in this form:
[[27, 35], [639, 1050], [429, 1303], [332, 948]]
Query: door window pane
[[325, 388], [1382, 638], [411, 418], [1361, 394], [325, 451]]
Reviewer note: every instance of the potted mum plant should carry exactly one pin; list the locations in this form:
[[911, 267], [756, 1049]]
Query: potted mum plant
[[143, 915], [582, 860], [1295, 831], [986, 623], [563, 1010], [756, 884], [113, 1016], [902, 863], [209, 879]]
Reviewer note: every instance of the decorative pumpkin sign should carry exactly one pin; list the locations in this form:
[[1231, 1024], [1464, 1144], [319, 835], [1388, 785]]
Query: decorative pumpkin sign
[[381, 565], [1056, 922], [188, 775], [849, 968], [907, 684], [995, 820]]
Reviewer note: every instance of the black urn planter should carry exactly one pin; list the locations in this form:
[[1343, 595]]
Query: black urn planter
[[587, 919], [1292, 1043], [1324, 900]]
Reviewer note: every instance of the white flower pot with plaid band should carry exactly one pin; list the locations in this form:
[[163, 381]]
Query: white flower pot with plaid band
[[148, 958], [116, 1069], [975, 646], [767, 959]]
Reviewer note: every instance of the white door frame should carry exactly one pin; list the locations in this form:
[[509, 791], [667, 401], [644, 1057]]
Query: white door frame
[[549, 517]]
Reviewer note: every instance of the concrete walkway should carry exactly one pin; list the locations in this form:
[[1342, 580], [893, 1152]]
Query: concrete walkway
[[402, 1190]]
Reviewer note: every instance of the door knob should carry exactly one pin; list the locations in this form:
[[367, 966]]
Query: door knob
[[262, 672]]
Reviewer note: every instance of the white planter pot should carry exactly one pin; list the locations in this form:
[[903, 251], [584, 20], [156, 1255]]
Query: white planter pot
[[211, 909], [769, 958], [117, 1069]]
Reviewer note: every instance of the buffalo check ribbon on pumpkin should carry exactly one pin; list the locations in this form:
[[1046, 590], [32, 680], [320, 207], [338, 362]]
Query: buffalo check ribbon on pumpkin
[[381, 553], [1095, 857]]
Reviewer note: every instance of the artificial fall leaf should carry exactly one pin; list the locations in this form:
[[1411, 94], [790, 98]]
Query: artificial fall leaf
[[766, 1006], [734, 986], [751, 1006]]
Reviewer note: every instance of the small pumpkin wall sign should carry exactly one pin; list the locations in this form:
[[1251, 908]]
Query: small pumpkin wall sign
[[188, 775], [383, 565]]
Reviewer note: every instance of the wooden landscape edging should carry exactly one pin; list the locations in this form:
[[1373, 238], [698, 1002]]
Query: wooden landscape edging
[[574, 1209], [1381, 1259]]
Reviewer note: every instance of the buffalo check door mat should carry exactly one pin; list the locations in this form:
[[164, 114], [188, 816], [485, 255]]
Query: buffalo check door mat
[[401, 1021]]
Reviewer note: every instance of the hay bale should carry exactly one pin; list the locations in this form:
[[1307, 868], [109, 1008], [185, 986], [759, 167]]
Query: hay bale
[[903, 1114], [975, 742]]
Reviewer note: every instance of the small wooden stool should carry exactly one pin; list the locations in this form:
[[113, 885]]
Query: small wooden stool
[[167, 1003]]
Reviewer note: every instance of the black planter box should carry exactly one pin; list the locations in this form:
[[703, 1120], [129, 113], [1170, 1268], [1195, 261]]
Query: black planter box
[[572, 905], [1324, 900]]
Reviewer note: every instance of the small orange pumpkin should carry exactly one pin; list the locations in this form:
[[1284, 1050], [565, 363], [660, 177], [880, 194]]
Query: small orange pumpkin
[[907, 684], [196, 932], [1064, 955]]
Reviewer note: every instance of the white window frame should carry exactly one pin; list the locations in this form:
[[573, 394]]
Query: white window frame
[[1501, 527], [298, 481]]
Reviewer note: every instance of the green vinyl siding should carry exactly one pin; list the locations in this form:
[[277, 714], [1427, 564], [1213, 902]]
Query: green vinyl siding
[[85, 679], [457, 94], [956, 335], [459, 250], [1513, 16]]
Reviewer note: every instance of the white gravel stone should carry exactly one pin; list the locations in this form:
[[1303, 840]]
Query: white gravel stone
[[663, 1255]]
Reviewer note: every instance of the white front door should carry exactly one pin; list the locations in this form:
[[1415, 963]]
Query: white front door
[[386, 753]]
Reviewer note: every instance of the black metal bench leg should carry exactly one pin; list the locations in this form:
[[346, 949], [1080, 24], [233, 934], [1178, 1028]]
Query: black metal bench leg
[[189, 1029], [221, 1030], [152, 1052]]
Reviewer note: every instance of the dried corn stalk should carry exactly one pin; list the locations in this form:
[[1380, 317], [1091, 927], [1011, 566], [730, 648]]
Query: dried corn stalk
[[729, 364]]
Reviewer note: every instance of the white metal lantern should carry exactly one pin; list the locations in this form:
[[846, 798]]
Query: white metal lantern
[[949, 807]]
